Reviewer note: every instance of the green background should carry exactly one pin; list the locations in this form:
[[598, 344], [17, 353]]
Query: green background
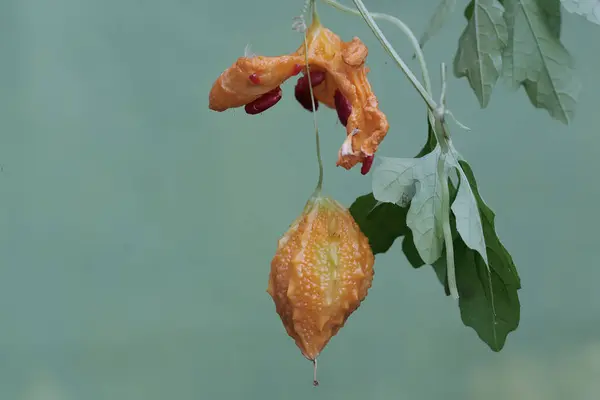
[[138, 226]]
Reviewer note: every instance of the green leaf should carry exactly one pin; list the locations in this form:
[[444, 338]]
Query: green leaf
[[550, 10], [410, 251], [587, 8], [468, 13], [437, 20], [474, 279], [480, 47], [488, 293], [386, 222], [499, 258], [424, 215], [536, 59], [381, 223], [430, 144], [416, 180], [466, 211], [469, 10], [394, 181], [423, 182], [439, 267], [487, 304]]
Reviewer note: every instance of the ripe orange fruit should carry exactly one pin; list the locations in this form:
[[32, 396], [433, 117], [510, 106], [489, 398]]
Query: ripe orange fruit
[[321, 272]]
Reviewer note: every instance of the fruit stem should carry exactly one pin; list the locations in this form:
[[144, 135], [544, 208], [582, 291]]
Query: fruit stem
[[315, 20], [315, 381]]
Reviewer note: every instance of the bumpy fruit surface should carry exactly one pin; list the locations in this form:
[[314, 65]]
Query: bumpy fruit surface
[[321, 272]]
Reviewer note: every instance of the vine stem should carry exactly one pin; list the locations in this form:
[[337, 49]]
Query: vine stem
[[446, 229], [427, 97], [403, 27], [446, 144], [315, 18]]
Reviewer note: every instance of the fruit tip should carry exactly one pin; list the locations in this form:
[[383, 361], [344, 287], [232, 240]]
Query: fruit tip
[[315, 380]]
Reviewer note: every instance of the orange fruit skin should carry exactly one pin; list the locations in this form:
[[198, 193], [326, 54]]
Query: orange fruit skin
[[320, 274]]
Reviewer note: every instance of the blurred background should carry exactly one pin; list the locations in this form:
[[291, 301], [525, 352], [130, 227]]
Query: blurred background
[[138, 226]]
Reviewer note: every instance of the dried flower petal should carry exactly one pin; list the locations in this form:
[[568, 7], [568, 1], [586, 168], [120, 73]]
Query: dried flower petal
[[320, 274], [234, 89], [345, 72]]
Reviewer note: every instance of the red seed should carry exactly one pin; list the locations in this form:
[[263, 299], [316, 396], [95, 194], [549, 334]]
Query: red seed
[[264, 102], [316, 78], [254, 78], [302, 91], [297, 69], [366, 165], [303, 96], [343, 107], [301, 84]]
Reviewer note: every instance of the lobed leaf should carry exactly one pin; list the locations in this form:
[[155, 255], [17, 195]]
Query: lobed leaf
[[480, 47], [488, 300], [415, 180], [487, 304], [499, 258], [536, 59], [394, 180]]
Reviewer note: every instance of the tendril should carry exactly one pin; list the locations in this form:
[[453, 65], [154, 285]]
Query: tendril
[[299, 25]]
